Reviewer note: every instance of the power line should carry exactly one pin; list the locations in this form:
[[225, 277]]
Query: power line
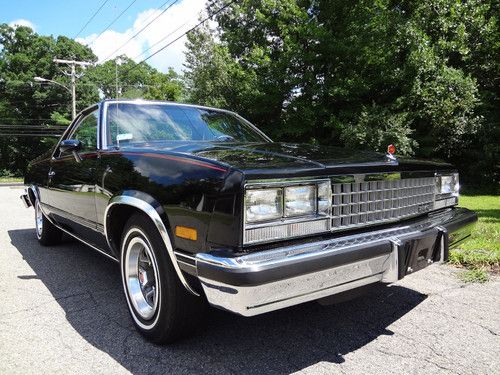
[[96, 85], [112, 23], [25, 124], [32, 128], [161, 40], [26, 118], [91, 18], [30, 135], [176, 39], [38, 102], [187, 32], [142, 29], [28, 126]]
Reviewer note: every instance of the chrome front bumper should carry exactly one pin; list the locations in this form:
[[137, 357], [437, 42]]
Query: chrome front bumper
[[268, 280], [26, 200]]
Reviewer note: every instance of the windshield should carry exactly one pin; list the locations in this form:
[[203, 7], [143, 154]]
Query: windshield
[[159, 122]]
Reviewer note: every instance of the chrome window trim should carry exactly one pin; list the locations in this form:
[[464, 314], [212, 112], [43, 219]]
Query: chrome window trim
[[157, 221], [106, 103], [74, 125], [83, 117]]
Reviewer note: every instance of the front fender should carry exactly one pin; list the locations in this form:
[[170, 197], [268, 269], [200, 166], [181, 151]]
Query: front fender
[[151, 208]]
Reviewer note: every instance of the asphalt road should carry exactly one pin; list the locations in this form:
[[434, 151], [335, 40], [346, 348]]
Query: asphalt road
[[62, 311]]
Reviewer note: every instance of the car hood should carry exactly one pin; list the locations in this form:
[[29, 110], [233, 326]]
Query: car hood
[[280, 159]]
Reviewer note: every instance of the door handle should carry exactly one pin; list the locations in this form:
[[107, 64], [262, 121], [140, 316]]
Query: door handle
[[52, 174]]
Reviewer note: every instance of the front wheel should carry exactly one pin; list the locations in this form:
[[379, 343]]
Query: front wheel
[[46, 233], [161, 308]]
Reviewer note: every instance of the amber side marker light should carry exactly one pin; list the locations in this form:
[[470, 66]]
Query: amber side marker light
[[187, 233]]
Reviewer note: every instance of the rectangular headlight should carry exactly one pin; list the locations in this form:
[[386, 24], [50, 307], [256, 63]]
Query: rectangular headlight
[[300, 200], [263, 205], [447, 185], [324, 197], [281, 210]]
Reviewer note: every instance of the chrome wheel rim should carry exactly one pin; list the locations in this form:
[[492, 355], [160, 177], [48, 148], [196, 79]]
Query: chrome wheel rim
[[38, 219], [141, 276]]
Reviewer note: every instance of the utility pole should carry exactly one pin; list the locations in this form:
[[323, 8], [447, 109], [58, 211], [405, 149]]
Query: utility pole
[[117, 62], [73, 64], [116, 79]]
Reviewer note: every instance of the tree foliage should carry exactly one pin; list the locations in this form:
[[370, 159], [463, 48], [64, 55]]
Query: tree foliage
[[25, 55], [122, 77], [422, 75]]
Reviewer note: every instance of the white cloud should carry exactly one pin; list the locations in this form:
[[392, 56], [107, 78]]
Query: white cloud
[[22, 22], [183, 15]]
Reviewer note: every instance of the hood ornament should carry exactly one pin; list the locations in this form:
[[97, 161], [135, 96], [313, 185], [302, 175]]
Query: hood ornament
[[391, 150]]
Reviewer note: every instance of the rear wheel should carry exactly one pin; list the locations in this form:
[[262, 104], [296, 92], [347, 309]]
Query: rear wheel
[[46, 233], [161, 308]]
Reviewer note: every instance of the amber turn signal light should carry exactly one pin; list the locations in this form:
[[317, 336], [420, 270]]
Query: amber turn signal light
[[187, 233]]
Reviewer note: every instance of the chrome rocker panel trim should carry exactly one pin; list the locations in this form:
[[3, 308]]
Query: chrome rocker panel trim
[[33, 189], [235, 284], [155, 217]]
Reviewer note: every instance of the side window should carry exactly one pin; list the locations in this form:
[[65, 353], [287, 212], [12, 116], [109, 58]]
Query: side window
[[86, 132]]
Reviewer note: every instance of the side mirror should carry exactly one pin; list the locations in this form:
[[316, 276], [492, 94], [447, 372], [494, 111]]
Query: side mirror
[[73, 146], [70, 145]]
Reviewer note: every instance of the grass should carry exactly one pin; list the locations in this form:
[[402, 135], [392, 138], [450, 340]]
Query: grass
[[480, 254], [5, 180], [476, 275]]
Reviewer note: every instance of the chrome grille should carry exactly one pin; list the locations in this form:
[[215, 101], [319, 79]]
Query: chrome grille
[[358, 204]]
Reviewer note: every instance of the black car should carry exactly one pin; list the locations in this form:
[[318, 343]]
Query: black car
[[196, 204]]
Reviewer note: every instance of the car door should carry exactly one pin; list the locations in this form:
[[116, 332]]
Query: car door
[[72, 180]]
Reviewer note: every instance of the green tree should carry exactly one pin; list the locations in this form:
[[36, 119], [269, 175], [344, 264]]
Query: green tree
[[422, 75], [23, 56], [134, 80]]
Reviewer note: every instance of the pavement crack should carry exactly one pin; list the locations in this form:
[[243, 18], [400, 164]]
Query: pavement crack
[[420, 359]]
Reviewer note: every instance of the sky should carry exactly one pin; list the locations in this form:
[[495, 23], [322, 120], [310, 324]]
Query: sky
[[68, 17]]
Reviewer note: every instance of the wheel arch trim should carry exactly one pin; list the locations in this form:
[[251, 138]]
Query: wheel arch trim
[[153, 214], [34, 191]]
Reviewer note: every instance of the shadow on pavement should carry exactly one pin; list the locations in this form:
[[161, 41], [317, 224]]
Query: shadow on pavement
[[87, 286]]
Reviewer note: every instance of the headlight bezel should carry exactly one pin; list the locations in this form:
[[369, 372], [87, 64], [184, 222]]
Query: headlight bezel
[[291, 225], [322, 199], [446, 194], [447, 185]]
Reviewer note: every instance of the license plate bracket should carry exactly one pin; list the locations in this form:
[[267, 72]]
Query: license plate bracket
[[419, 252]]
